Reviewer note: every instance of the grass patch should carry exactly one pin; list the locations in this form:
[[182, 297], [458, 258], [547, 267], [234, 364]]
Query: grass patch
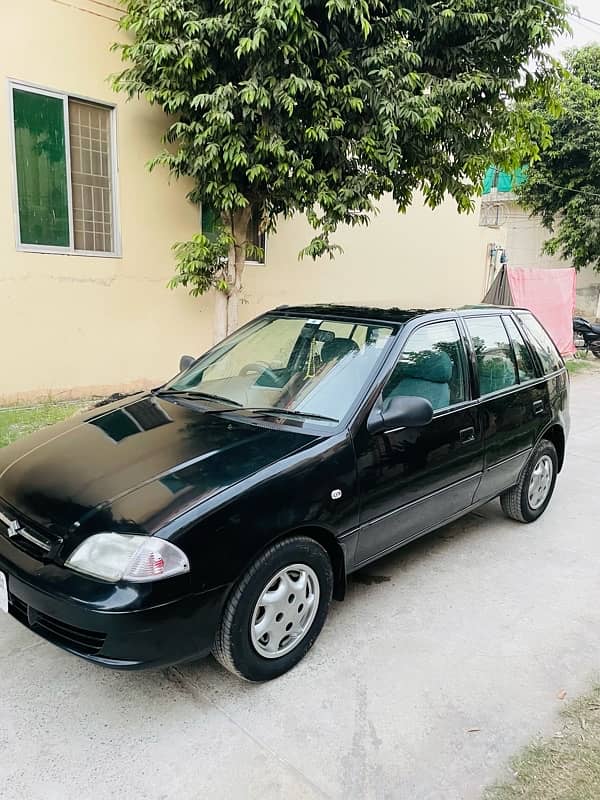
[[17, 422], [565, 767], [577, 365]]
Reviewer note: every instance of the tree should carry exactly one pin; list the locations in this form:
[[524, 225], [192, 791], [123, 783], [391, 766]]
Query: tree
[[319, 107], [563, 186]]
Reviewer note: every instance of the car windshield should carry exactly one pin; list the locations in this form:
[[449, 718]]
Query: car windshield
[[295, 366]]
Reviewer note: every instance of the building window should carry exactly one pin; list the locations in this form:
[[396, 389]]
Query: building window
[[65, 173], [255, 237]]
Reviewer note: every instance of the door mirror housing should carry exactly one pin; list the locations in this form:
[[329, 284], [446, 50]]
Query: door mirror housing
[[185, 362], [400, 412]]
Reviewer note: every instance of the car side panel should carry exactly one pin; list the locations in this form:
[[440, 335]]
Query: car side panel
[[512, 423]]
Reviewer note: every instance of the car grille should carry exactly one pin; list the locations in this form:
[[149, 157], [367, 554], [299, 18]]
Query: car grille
[[80, 640], [28, 538]]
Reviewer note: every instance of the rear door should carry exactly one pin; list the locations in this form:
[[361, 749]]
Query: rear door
[[514, 399], [551, 366]]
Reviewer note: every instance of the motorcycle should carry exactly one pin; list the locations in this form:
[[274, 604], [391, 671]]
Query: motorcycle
[[586, 336]]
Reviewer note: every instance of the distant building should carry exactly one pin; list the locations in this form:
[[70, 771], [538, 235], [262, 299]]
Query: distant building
[[518, 239]]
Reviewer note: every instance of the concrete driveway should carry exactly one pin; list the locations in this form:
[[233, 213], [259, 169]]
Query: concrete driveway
[[444, 660]]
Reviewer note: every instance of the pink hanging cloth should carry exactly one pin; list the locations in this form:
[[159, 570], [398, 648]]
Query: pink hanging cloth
[[550, 294]]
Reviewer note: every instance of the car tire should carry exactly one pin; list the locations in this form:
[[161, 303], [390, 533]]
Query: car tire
[[298, 568], [523, 502]]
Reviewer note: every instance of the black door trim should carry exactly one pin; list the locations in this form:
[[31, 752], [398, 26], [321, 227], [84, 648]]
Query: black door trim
[[423, 499]]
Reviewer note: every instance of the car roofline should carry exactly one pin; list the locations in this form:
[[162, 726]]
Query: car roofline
[[385, 315]]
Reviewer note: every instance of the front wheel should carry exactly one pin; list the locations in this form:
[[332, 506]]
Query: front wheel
[[276, 611], [528, 500]]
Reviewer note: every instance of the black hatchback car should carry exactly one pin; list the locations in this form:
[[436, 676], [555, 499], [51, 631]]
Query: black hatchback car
[[222, 511]]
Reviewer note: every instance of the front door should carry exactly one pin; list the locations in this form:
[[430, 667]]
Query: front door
[[412, 479]]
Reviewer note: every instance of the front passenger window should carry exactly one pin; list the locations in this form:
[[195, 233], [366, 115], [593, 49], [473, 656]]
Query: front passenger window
[[431, 366], [494, 354]]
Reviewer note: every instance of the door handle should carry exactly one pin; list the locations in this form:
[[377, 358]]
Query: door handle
[[467, 435], [538, 407]]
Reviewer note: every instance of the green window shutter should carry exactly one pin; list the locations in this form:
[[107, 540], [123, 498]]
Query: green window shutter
[[41, 169], [210, 223]]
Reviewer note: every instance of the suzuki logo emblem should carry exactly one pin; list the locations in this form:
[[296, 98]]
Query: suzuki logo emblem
[[13, 528]]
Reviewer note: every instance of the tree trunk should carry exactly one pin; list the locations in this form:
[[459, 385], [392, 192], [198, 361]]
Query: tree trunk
[[220, 316], [226, 303]]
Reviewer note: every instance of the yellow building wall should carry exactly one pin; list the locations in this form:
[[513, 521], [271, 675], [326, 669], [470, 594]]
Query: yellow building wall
[[74, 325], [89, 323], [421, 259]]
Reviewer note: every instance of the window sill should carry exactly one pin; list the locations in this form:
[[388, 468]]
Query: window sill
[[60, 251]]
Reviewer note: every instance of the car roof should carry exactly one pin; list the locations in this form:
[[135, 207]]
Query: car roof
[[389, 314]]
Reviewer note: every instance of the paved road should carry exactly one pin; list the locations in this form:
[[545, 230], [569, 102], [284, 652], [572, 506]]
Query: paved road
[[479, 626]]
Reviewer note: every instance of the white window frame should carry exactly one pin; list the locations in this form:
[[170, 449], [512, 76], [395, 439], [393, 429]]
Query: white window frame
[[65, 97]]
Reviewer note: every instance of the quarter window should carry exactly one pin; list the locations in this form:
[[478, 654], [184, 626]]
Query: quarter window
[[544, 346], [523, 355], [64, 163], [431, 366], [494, 354]]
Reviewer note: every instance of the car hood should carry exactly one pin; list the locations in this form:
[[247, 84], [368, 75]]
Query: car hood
[[135, 465]]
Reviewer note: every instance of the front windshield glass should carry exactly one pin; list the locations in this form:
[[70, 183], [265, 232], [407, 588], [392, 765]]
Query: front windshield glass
[[312, 367]]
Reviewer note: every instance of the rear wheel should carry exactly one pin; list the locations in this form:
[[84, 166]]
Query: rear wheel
[[276, 611], [596, 349], [528, 500]]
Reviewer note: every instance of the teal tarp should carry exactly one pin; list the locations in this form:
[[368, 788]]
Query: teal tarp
[[503, 181]]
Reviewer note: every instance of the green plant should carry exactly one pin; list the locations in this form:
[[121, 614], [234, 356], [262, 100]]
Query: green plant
[[563, 186], [319, 107], [201, 263]]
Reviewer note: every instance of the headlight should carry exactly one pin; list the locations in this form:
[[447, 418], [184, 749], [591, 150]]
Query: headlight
[[125, 557]]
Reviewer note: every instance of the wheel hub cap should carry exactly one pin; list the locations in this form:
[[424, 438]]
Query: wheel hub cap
[[540, 482], [285, 611]]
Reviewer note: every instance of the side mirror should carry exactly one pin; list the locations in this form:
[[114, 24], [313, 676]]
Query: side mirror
[[185, 362], [400, 412]]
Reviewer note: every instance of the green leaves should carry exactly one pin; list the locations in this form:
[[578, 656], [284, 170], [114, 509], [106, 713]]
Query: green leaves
[[563, 185], [202, 263], [318, 108]]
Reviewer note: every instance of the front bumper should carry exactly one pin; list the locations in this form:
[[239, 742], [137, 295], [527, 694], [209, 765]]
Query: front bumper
[[182, 629]]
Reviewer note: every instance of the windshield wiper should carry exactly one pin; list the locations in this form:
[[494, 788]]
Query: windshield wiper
[[193, 393], [267, 410], [281, 412]]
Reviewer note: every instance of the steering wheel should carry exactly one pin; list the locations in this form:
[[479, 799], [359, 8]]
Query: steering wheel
[[259, 368]]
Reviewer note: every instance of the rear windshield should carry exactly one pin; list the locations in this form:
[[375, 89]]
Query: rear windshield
[[545, 347]]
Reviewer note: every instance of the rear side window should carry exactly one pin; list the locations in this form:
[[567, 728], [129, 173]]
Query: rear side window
[[494, 354], [544, 346], [523, 355]]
